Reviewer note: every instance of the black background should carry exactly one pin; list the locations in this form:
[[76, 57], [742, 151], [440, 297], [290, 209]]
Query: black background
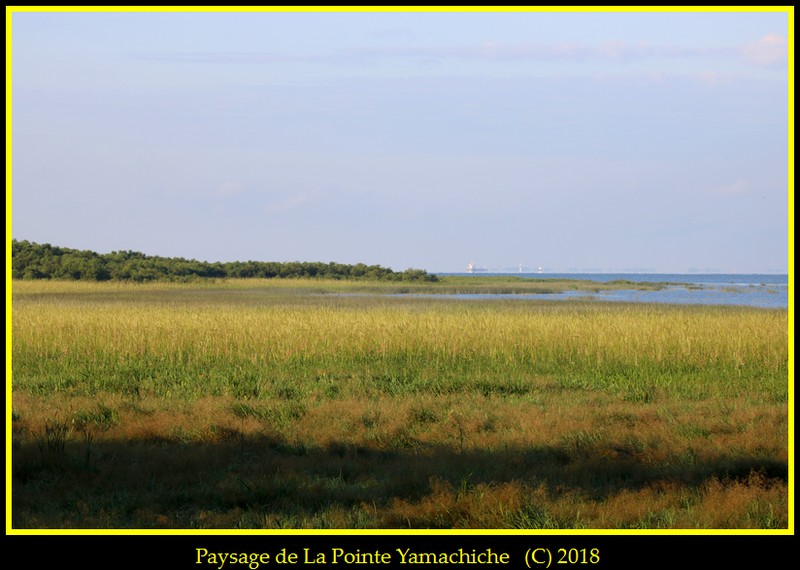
[[179, 551]]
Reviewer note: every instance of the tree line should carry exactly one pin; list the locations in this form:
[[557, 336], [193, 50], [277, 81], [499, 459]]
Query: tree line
[[31, 260]]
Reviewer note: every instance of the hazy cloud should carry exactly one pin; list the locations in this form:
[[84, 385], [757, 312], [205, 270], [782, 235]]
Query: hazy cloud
[[613, 51], [286, 204], [225, 57], [737, 187], [770, 51], [609, 51]]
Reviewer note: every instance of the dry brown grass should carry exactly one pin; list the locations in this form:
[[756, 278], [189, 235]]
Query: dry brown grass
[[479, 462]]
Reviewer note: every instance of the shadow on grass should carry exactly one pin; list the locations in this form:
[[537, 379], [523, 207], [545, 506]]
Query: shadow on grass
[[268, 482]]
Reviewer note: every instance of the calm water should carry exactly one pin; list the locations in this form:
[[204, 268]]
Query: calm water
[[769, 291]]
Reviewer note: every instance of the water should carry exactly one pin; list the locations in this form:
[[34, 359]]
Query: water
[[759, 290]]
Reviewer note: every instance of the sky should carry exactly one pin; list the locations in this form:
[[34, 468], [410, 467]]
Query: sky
[[567, 141]]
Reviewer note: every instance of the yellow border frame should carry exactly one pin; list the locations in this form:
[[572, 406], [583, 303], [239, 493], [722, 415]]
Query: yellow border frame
[[10, 10]]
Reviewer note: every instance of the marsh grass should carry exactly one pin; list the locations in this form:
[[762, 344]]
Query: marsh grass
[[259, 404]]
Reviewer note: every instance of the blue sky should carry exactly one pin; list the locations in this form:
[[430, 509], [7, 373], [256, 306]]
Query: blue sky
[[569, 141]]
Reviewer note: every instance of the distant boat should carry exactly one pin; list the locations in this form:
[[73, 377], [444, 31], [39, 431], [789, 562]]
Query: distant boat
[[471, 268]]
